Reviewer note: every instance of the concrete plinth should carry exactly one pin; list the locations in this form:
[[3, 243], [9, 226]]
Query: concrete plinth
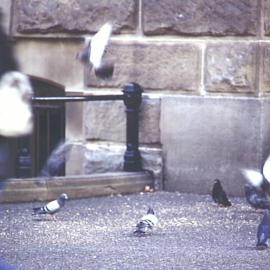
[[205, 138]]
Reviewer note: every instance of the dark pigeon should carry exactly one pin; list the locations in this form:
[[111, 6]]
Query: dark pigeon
[[51, 207], [146, 223], [218, 194], [256, 198], [263, 232], [94, 50]]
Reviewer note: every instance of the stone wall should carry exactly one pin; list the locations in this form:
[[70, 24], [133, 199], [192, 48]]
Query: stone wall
[[174, 49]]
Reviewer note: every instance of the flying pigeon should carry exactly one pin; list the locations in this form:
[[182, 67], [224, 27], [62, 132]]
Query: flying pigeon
[[256, 198], [56, 161], [258, 179], [146, 223], [218, 194], [51, 207], [263, 232], [94, 50]]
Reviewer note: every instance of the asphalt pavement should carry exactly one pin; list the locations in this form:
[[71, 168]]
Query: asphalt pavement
[[96, 233]]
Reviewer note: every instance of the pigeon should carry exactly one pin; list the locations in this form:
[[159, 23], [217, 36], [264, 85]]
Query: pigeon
[[51, 207], [94, 50], [256, 198], [263, 232], [146, 223], [218, 194], [56, 161], [6, 266], [258, 179]]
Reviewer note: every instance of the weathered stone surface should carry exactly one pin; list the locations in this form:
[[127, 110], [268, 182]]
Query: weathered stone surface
[[74, 120], [266, 16], [108, 157], [201, 17], [106, 120], [28, 190], [5, 6], [62, 16], [231, 67], [102, 157], [213, 137], [168, 66], [264, 66], [265, 130], [52, 60]]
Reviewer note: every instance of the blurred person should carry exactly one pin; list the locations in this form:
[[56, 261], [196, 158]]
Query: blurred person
[[15, 106]]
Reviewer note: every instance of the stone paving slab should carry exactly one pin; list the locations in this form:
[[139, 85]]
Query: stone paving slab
[[96, 233]]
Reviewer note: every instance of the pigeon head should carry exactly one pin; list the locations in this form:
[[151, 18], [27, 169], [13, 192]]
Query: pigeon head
[[150, 211], [64, 196], [84, 55], [217, 181], [62, 199]]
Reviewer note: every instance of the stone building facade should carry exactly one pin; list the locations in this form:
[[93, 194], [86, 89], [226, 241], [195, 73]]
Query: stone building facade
[[203, 65]]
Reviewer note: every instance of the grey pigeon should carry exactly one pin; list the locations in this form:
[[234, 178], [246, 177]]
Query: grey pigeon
[[256, 198], [263, 232], [218, 194], [55, 164], [146, 223], [6, 266], [94, 50], [51, 207]]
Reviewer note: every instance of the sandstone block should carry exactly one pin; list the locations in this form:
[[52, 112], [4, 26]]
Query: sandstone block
[[5, 7], [106, 120], [80, 16], [108, 157], [264, 66], [266, 15], [213, 137], [52, 60], [166, 66], [201, 17], [231, 67]]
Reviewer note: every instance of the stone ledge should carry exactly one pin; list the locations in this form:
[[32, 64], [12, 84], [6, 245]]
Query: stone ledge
[[83, 186]]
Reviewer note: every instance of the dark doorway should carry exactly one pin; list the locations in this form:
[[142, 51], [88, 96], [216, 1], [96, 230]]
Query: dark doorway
[[49, 130]]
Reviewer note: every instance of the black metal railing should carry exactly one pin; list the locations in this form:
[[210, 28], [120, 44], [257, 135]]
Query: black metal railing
[[132, 97]]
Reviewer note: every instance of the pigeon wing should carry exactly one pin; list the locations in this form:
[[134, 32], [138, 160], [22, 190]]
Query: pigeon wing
[[99, 43], [52, 207], [266, 169], [255, 178]]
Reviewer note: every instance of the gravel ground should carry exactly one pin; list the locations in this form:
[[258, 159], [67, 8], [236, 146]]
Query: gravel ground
[[96, 233]]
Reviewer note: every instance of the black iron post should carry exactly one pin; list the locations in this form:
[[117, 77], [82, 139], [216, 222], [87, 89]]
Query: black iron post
[[132, 99]]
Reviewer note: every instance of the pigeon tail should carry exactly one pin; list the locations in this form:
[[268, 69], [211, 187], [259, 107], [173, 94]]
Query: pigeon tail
[[39, 211], [150, 211], [142, 227]]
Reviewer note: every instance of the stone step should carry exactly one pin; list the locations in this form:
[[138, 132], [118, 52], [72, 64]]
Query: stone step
[[82, 186]]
